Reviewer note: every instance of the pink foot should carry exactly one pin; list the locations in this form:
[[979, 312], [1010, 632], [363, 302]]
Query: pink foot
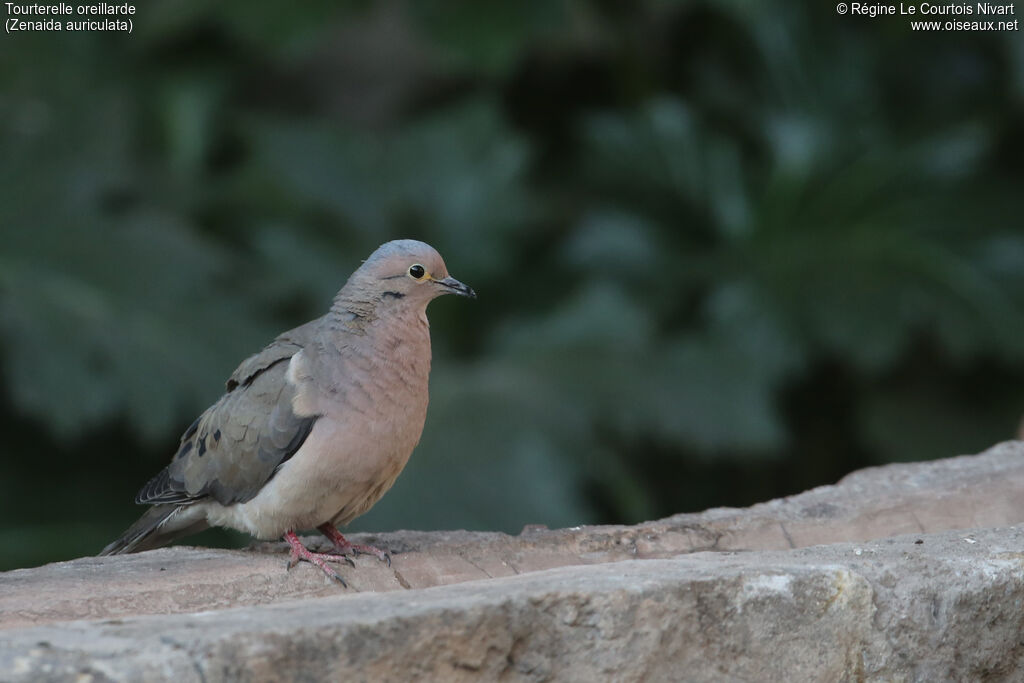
[[344, 547], [301, 552]]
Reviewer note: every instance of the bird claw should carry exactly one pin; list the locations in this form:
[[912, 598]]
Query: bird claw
[[343, 546], [301, 552], [382, 555]]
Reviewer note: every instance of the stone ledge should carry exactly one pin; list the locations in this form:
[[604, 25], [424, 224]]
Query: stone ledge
[[627, 603], [933, 607]]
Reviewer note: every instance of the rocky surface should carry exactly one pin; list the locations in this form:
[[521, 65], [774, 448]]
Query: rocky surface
[[727, 594]]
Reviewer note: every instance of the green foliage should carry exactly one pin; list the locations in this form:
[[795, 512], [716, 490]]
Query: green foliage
[[708, 238]]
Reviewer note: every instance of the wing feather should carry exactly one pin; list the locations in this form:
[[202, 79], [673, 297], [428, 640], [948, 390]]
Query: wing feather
[[232, 450]]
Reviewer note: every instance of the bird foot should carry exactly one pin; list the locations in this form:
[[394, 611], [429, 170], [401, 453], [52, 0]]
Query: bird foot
[[344, 547], [301, 552]]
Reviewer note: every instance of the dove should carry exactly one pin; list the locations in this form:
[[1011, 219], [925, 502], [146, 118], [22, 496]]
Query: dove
[[315, 428]]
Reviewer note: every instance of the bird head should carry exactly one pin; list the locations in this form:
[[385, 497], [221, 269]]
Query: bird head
[[407, 268]]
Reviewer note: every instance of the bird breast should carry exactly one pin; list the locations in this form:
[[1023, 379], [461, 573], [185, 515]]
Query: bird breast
[[372, 404]]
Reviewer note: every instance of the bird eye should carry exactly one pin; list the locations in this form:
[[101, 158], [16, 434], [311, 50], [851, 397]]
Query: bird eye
[[416, 271]]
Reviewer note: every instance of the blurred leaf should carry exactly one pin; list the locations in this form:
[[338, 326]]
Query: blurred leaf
[[456, 174], [108, 304], [930, 421], [488, 38]]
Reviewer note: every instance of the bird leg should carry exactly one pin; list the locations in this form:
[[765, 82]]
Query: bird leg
[[344, 547], [301, 552]]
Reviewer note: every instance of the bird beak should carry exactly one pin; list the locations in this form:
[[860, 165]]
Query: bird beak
[[456, 287]]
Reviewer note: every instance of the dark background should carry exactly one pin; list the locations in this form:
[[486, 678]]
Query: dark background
[[724, 251]]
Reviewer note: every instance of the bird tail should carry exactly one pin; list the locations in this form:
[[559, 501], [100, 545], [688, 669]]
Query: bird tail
[[157, 527]]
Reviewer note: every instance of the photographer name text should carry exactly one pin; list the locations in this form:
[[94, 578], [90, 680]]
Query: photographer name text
[[927, 16], [982, 9]]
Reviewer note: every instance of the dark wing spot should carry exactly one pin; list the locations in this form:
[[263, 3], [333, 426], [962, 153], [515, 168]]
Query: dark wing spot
[[191, 429], [202, 448], [216, 435], [185, 449]]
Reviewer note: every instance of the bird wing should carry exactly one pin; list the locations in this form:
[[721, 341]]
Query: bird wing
[[232, 449], [284, 347]]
